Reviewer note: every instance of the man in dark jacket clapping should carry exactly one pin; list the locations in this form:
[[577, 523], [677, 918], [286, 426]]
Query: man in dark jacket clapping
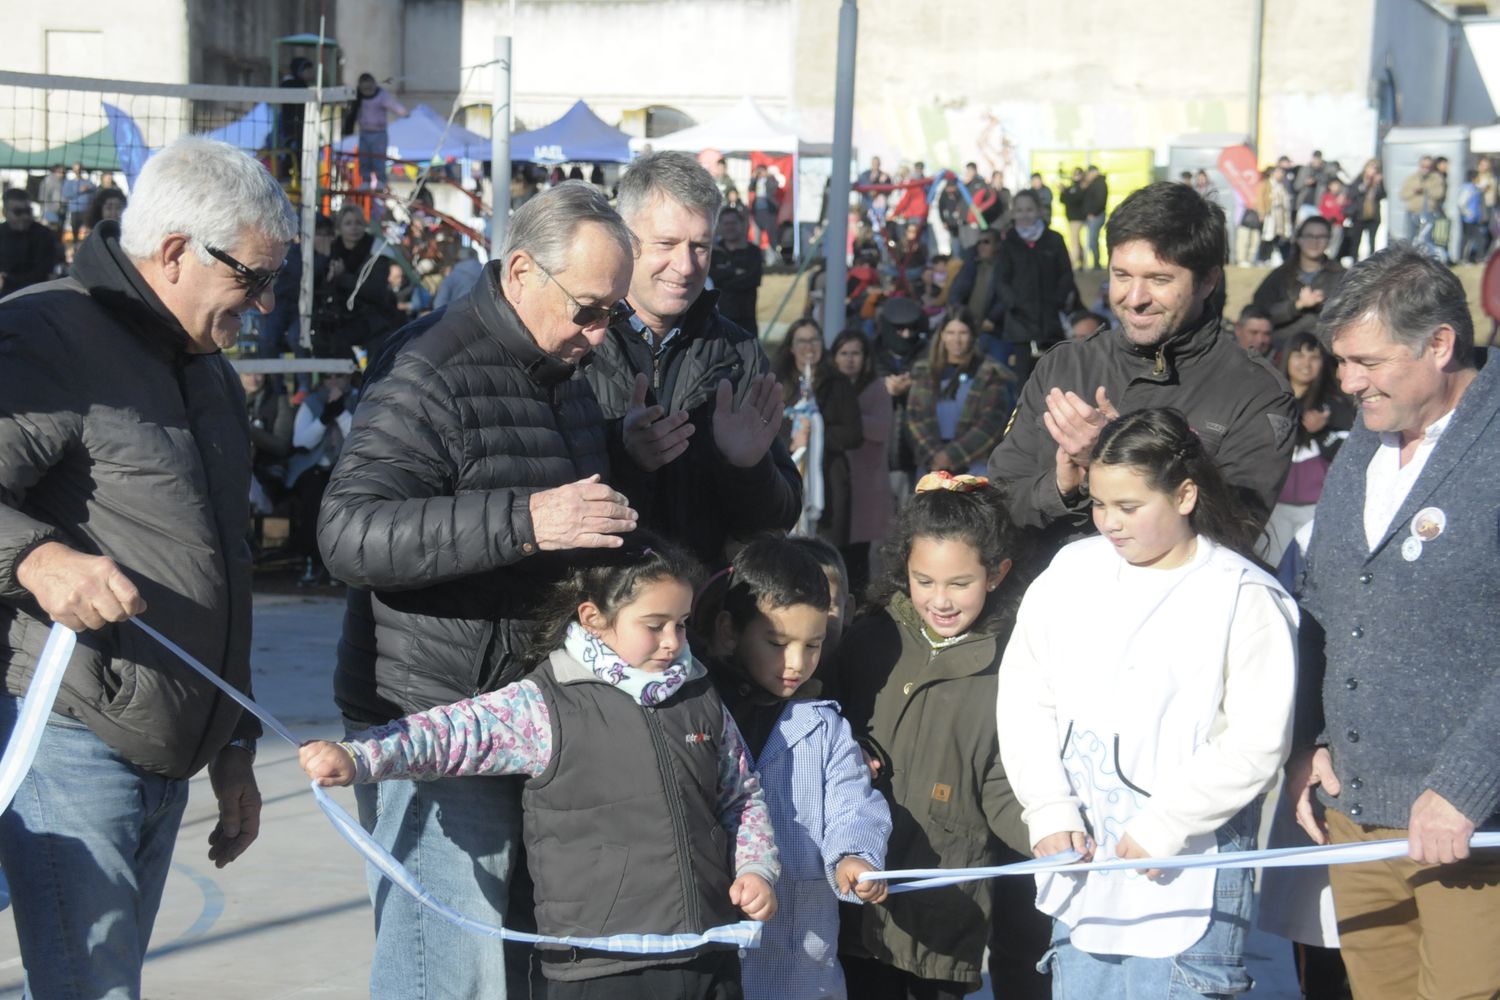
[[475, 456], [693, 410]]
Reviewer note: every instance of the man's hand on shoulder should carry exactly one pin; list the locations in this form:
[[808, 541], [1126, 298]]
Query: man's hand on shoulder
[[744, 434], [78, 591], [582, 515], [653, 437], [1437, 834]]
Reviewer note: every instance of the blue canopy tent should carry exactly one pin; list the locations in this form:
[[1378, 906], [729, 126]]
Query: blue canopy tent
[[420, 136], [579, 136]]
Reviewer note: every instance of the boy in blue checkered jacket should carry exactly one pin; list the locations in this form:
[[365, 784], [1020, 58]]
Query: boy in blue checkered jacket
[[764, 637]]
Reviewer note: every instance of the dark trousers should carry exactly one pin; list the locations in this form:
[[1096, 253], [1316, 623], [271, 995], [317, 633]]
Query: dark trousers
[[307, 494], [868, 979], [1020, 935], [714, 975], [1320, 972]]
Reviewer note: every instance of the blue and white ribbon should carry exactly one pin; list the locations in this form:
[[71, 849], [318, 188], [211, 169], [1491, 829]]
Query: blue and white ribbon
[[43, 692]]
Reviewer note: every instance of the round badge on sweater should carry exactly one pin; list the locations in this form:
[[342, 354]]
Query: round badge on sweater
[[1411, 549], [1428, 523]]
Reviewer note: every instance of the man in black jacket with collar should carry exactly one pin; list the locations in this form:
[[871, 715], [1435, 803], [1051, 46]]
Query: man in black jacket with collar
[[472, 467], [1167, 250], [693, 411]]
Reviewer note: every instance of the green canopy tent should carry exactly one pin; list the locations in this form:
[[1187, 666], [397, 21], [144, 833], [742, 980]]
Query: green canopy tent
[[96, 151]]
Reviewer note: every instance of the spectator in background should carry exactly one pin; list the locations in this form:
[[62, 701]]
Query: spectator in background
[[765, 205], [1276, 231], [1475, 220], [1366, 192], [736, 271], [1308, 185], [1324, 417], [719, 170], [1423, 193], [28, 252], [1252, 331], [1334, 206], [951, 211], [1072, 201], [900, 341], [107, 205], [370, 114], [960, 401], [871, 175], [911, 202], [870, 506], [78, 190], [1035, 283], [802, 357], [322, 423], [353, 312], [463, 276], [1489, 188], [270, 415], [1095, 203], [1293, 294], [289, 116], [1247, 249], [977, 287], [54, 200], [1043, 195], [1085, 323]]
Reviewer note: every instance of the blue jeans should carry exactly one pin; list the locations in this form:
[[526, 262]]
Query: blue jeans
[[1095, 224], [86, 846], [1213, 967], [372, 146], [457, 836]]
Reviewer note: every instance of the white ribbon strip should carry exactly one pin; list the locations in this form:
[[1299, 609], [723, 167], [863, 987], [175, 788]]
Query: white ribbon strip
[[41, 694], [1067, 862]]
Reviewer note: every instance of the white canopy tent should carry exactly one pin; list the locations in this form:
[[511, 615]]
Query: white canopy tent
[[742, 130]]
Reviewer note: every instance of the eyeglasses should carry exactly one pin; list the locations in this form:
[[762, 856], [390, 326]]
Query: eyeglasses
[[253, 281], [586, 316], [19, 211]]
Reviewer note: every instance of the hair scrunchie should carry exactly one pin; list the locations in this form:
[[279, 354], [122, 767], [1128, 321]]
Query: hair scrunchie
[[948, 481]]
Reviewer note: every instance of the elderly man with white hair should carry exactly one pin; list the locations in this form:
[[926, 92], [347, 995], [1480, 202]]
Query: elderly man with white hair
[[124, 485]]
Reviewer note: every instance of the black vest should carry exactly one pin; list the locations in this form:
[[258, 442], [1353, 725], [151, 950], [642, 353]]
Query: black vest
[[622, 830]]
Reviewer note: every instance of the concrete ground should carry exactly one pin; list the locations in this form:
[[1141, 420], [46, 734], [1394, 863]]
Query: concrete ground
[[291, 919]]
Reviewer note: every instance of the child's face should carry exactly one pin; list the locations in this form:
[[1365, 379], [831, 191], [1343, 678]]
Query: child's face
[[949, 584], [650, 631], [779, 648], [1146, 526]]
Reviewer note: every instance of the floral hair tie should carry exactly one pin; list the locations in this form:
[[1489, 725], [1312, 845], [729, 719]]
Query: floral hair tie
[[948, 481]]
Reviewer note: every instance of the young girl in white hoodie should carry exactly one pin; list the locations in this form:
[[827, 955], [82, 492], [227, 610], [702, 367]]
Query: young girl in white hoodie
[[1144, 707]]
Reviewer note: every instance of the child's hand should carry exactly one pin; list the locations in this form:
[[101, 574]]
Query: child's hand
[[1067, 840], [846, 876], [754, 896], [1128, 849], [326, 763]]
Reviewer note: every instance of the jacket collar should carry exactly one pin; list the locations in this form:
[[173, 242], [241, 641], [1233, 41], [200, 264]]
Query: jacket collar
[[112, 280], [499, 317], [1159, 363], [700, 316], [962, 656]]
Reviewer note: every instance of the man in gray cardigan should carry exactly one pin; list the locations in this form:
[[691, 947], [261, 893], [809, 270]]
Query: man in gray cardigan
[[1403, 577]]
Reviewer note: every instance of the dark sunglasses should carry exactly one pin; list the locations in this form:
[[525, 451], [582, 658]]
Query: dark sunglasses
[[585, 316], [254, 282]]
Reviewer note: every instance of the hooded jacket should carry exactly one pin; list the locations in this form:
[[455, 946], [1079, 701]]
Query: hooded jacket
[[1238, 405], [428, 511], [115, 440], [698, 499]]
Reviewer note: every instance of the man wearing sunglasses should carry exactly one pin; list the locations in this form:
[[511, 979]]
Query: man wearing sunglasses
[[124, 486], [476, 468], [28, 250], [694, 412]]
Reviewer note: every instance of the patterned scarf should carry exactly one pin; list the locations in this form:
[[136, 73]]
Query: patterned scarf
[[645, 687]]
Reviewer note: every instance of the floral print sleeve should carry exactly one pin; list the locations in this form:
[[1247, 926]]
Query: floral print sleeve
[[501, 732], [742, 809]]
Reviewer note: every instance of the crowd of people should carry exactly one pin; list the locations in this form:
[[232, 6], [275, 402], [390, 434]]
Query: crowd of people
[[561, 505]]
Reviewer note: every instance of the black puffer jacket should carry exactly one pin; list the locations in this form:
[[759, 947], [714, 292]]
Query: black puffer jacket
[[116, 441], [428, 513], [698, 500]]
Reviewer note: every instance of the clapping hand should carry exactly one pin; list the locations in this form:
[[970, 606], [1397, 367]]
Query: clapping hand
[[652, 436], [1075, 426], [743, 434]]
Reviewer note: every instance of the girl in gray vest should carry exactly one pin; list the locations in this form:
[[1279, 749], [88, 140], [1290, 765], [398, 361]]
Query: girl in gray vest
[[643, 813]]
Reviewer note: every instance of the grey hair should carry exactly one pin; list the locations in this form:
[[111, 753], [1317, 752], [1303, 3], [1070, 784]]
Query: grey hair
[[207, 190], [671, 175], [1410, 292], [545, 227]]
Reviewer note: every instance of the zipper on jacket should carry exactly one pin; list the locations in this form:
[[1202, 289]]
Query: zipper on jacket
[[1161, 362], [679, 823]]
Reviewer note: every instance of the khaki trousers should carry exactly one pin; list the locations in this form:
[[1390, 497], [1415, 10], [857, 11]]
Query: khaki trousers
[[1407, 930]]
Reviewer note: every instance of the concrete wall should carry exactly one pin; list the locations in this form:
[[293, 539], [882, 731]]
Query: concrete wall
[[1410, 40], [229, 41], [1476, 80], [370, 38]]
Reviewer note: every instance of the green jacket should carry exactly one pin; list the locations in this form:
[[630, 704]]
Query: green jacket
[[929, 717]]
